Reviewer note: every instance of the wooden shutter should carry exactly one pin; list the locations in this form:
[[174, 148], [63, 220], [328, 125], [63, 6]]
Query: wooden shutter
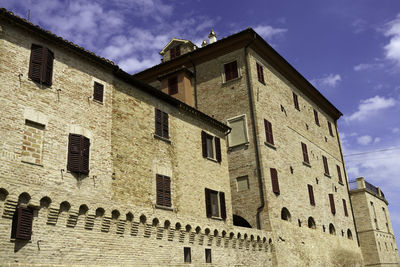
[[274, 180], [316, 117], [74, 153], [24, 225], [160, 190], [311, 195], [260, 73], [165, 128], [332, 204], [173, 85], [85, 155], [222, 205], [339, 173], [204, 143], [326, 167], [296, 101], [208, 202], [345, 208], [47, 73], [98, 91], [167, 191], [305, 153], [158, 120], [330, 128], [36, 63], [231, 71], [217, 149], [268, 132]]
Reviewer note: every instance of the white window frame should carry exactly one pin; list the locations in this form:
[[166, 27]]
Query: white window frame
[[218, 204], [213, 150], [246, 132]]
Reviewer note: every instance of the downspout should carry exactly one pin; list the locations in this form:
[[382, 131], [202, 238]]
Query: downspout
[[252, 114], [347, 182], [195, 82]]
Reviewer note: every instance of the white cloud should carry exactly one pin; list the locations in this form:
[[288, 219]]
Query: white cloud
[[359, 25], [377, 140], [133, 64], [392, 49], [268, 32], [330, 80], [368, 66], [395, 130], [370, 106], [364, 140]]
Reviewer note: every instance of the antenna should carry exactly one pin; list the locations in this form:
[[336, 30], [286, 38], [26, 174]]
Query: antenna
[[29, 15]]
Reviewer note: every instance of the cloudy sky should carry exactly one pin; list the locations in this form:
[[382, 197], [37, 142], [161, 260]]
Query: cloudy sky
[[350, 50]]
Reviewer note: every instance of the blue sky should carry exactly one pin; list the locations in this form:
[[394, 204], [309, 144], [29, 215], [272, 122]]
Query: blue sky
[[350, 50]]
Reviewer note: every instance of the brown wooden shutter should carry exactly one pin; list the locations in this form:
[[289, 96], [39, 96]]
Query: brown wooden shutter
[[160, 190], [218, 149], [167, 191], [158, 119], [268, 132], [274, 180], [231, 71], [85, 155], [204, 143], [173, 85], [311, 195], [345, 208], [222, 205], [296, 101], [260, 73], [208, 202], [98, 91], [326, 167], [316, 117], [36, 63], [74, 153], [24, 225], [165, 128], [47, 73], [332, 204], [330, 128], [305, 153], [339, 173]]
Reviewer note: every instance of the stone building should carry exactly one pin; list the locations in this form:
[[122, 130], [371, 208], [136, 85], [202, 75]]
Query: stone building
[[98, 168], [374, 226]]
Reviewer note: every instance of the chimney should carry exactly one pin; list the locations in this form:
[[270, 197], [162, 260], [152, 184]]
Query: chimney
[[212, 37], [204, 43]]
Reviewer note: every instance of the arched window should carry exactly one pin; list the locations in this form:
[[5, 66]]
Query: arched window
[[311, 223], [349, 234], [332, 230], [285, 214]]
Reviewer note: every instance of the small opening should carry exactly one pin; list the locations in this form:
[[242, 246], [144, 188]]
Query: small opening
[[342, 232], [24, 198], [83, 209], [208, 255], [115, 214], [64, 207], [349, 234], [291, 170], [198, 229], [45, 202], [167, 224], [316, 180], [99, 212], [129, 217], [306, 126], [332, 230], [155, 222], [3, 194], [311, 223], [323, 228], [299, 222], [143, 219], [177, 226], [187, 255], [285, 214]]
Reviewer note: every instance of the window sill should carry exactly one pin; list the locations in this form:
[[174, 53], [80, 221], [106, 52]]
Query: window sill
[[231, 81], [167, 140], [307, 164], [263, 82], [98, 102], [341, 183], [32, 163], [164, 207], [239, 145], [212, 159], [216, 218], [327, 175], [270, 145]]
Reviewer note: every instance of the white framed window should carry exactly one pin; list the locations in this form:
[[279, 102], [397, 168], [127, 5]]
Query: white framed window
[[211, 147], [239, 134], [215, 204]]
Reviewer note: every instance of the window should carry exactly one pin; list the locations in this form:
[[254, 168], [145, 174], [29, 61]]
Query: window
[[339, 174], [211, 146], [238, 135], [98, 91], [163, 189], [332, 230], [208, 255], [349, 234], [173, 85], [326, 167], [316, 117], [175, 52], [330, 128], [215, 204], [242, 183], [296, 102], [260, 73], [332, 204], [285, 214], [231, 71], [41, 65], [311, 223], [22, 223], [274, 181], [187, 255], [32, 143], [162, 124], [305, 153], [268, 132], [387, 222], [345, 208], [311, 195], [78, 154]]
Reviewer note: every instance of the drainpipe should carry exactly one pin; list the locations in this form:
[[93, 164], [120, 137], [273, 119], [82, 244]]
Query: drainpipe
[[347, 182], [252, 114], [195, 82]]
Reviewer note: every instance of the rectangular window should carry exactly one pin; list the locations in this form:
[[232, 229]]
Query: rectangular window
[[78, 154], [345, 208], [332, 204], [316, 117], [326, 167], [296, 102], [187, 255], [211, 146], [231, 71], [175, 52], [238, 134], [22, 223], [330, 128], [339, 174], [242, 183], [215, 204], [305, 153], [260, 73], [208, 255], [173, 85], [274, 181], [41, 65], [32, 143], [162, 124], [98, 91], [268, 132], [163, 188], [311, 195]]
